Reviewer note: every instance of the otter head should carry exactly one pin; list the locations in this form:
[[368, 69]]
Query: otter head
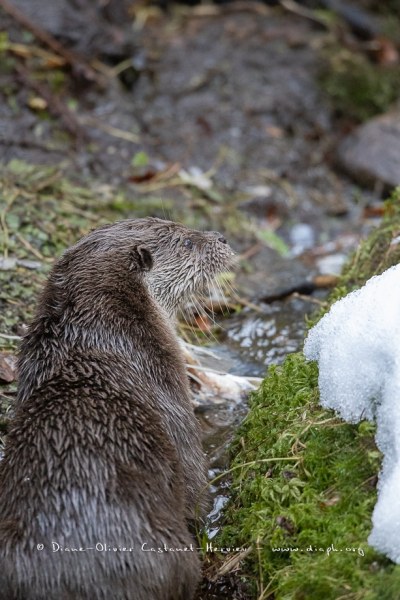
[[175, 261], [184, 260]]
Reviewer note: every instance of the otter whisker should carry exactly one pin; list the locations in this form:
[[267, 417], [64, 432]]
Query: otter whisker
[[207, 331], [220, 307], [190, 327], [223, 293], [217, 296]]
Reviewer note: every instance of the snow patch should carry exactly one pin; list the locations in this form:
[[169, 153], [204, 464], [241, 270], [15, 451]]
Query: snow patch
[[357, 346]]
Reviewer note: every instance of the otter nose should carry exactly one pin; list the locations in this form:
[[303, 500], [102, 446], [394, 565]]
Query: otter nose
[[219, 236]]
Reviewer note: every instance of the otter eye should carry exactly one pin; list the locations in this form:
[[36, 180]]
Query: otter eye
[[188, 243]]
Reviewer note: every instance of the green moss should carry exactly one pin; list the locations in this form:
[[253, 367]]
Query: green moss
[[358, 88], [303, 482], [41, 214]]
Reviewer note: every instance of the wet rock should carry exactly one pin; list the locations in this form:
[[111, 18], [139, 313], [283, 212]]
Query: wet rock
[[7, 368], [372, 153], [331, 264], [273, 277]]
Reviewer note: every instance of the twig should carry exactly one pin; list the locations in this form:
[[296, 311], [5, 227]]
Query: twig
[[26, 143], [251, 464], [309, 299], [161, 185], [76, 62], [55, 105], [31, 249], [232, 562], [260, 569], [113, 131], [168, 172], [301, 11], [255, 249], [247, 303], [27, 50], [207, 10]]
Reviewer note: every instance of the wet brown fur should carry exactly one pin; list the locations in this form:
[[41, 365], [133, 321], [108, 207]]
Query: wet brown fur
[[104, 447]]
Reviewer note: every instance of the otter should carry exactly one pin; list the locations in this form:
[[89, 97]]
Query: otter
[[103, 468]]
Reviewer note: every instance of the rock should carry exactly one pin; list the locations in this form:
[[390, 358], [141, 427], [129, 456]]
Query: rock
[[7, 368], [8, 264], [273, 277], [332, 264], [302, 237], [372, 153]]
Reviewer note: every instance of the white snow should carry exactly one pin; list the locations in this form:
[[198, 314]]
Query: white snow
[[357, 346]]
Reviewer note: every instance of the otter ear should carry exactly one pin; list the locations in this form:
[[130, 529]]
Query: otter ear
[[141, 259]]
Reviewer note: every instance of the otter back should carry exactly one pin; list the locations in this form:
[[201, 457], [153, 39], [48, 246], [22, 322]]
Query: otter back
[[103, 463]]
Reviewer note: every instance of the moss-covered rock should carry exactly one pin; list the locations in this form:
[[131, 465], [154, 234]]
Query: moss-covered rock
[[303, 482], [358, 88]]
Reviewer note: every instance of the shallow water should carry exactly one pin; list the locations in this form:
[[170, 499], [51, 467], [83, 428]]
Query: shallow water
[[253, 341], [266, 337]]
